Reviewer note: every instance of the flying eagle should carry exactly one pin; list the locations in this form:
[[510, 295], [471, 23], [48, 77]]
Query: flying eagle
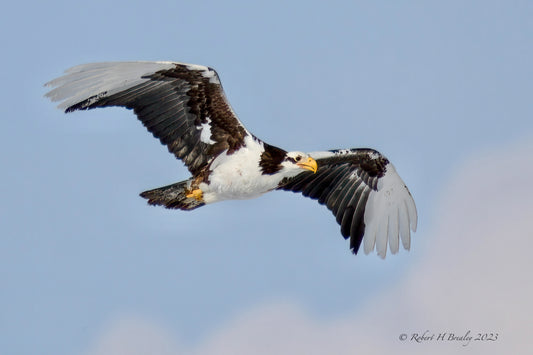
[[184, 106]]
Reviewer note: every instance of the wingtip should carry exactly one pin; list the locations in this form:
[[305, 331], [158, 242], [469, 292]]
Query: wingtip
[[414, 224], [383, 254], [413, 213]]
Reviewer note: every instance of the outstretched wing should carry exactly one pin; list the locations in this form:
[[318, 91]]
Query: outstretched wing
[[183, 105], [366, 195]]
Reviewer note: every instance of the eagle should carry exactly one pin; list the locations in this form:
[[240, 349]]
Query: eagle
[[185, 107]]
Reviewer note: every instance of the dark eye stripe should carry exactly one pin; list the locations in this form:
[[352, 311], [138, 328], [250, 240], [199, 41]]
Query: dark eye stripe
[[292, 160]]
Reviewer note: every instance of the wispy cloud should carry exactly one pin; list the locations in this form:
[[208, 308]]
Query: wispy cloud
[[131, 335], [475, 277]]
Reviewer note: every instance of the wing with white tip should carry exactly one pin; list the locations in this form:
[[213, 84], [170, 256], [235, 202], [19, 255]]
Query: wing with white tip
[[183, 105], [366, 195]]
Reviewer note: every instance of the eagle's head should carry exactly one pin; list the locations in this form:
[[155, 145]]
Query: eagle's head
[[295, 161], [274, 160]]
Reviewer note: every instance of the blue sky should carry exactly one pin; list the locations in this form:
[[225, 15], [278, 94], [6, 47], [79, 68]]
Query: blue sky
[[436, 87]]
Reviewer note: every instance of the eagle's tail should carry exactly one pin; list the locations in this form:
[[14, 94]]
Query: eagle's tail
[[172, 196]]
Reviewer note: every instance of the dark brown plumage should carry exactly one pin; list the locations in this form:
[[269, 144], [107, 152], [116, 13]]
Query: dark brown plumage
[[171, 104], [184, 106]]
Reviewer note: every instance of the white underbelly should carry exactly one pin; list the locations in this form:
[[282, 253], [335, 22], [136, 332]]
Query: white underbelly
[[238, 176], [236, 184]]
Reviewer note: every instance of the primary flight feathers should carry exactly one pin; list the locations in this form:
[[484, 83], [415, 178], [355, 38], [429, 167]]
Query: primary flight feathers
[[184, 106]]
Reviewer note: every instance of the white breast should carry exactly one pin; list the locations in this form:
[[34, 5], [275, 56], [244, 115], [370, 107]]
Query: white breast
[[238, 175]]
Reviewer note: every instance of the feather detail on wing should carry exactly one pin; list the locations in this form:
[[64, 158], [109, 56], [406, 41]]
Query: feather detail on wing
[[183, 105], [368, 198]]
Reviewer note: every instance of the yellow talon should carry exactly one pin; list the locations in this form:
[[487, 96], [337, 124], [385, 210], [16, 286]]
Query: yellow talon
[[196, 194]]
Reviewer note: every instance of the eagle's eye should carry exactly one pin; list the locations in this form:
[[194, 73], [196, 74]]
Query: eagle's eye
[[298, 158]]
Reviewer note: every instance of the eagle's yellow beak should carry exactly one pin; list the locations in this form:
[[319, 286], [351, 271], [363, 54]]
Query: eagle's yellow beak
[[310, 164]]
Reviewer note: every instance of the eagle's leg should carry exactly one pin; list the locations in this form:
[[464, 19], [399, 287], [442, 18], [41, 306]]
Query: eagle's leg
[[197, 194]]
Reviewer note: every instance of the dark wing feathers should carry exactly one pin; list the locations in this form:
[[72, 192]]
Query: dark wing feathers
[[346, 181], [174, 101], [185, 107]]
